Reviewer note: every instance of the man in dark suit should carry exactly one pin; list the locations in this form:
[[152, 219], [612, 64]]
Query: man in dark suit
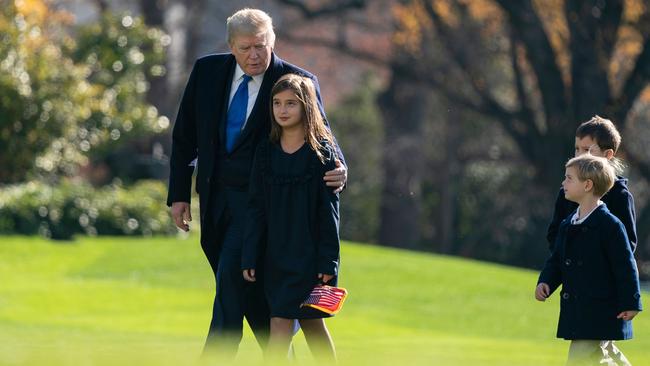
[[224, 113]]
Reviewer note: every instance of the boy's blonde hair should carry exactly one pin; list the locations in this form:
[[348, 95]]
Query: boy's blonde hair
[[250, 22], [316, 131], [597, 169]]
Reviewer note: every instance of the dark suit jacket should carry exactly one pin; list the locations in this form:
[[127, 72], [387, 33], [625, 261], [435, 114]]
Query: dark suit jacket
[[593, 262], [199, 131]]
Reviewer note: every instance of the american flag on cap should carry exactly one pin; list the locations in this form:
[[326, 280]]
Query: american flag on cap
[[327, 299]]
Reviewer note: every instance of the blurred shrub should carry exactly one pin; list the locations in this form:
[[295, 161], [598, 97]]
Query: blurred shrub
[[68, 92], [358, 127], [72, 207]]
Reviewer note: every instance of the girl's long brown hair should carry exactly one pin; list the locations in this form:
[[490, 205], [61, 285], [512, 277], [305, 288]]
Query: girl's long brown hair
[[315, 129]]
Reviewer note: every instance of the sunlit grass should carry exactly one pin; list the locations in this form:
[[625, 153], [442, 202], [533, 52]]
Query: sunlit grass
[[126, 301]]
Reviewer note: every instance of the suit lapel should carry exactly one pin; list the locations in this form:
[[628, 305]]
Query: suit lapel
[[218, 95]]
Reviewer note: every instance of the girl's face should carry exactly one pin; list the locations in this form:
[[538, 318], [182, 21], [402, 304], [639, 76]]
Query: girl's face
[[287, 109], [574, 188]]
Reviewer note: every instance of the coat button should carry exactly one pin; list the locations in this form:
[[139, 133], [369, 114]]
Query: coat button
[[637, 295], [584, 229], [208, 180], [567, 262], [565, 296]]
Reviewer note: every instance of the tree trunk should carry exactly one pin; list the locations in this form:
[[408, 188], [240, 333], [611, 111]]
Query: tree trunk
[[404, 109], [449, 181]]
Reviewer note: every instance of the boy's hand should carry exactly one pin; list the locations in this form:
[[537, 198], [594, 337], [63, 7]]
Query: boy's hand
[[325, 277], [249, 274], [542, 291], [627, 314]]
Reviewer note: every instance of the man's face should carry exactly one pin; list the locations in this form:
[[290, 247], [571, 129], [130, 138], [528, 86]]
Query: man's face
[[253, 53]]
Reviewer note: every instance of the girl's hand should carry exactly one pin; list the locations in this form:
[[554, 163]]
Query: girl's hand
[[249, 274], [542, 291], [325, 277], [627, 314]]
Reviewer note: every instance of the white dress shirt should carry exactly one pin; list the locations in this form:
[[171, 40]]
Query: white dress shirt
[[253, 89]]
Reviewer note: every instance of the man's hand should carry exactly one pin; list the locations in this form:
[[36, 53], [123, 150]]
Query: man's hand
[[325, 277], [181, 215], [337, 177], [542, 291], [249, 274], [627, 314]]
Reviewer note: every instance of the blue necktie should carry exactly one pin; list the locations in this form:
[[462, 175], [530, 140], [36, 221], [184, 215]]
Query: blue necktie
[[237, 113]]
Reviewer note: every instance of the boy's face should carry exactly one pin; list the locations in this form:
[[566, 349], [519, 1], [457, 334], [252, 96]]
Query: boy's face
[[575, 189], [588, 144]]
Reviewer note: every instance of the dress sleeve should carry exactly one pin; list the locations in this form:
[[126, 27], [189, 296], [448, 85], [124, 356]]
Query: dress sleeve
[[255, 229], [328, 224]]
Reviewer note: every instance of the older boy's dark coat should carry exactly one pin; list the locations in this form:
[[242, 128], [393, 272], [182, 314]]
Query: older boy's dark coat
[[619, 201], [594, 264]]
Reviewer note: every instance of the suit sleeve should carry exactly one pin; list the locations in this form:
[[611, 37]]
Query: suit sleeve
[[184, 145], [559, 214], [339, 152], [255, 229], [622, 206], [328, 224], [624, 268]]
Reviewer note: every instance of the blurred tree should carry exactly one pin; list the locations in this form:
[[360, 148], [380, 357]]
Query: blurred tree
[[529, 71], [63, 101], [561, 62]]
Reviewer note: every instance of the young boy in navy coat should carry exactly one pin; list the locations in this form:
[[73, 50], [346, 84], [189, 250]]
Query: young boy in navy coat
[[599, 137], [593, 261]]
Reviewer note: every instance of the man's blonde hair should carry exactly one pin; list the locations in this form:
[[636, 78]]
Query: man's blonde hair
[[597, 169], [250, 22]]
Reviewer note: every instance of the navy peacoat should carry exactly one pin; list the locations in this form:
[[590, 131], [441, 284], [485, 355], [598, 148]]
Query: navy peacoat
[[593, 262]]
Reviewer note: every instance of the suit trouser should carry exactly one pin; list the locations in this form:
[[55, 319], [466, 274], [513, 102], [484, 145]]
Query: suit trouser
[[235, 298], [594, 352]]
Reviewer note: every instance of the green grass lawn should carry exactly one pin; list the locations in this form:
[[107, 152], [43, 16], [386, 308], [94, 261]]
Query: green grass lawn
[[126, 301]]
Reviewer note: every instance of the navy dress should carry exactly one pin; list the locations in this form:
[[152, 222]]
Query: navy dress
[[292, 226]]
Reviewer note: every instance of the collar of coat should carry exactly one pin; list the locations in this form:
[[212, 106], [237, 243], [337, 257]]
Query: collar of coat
[[593, 220]]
